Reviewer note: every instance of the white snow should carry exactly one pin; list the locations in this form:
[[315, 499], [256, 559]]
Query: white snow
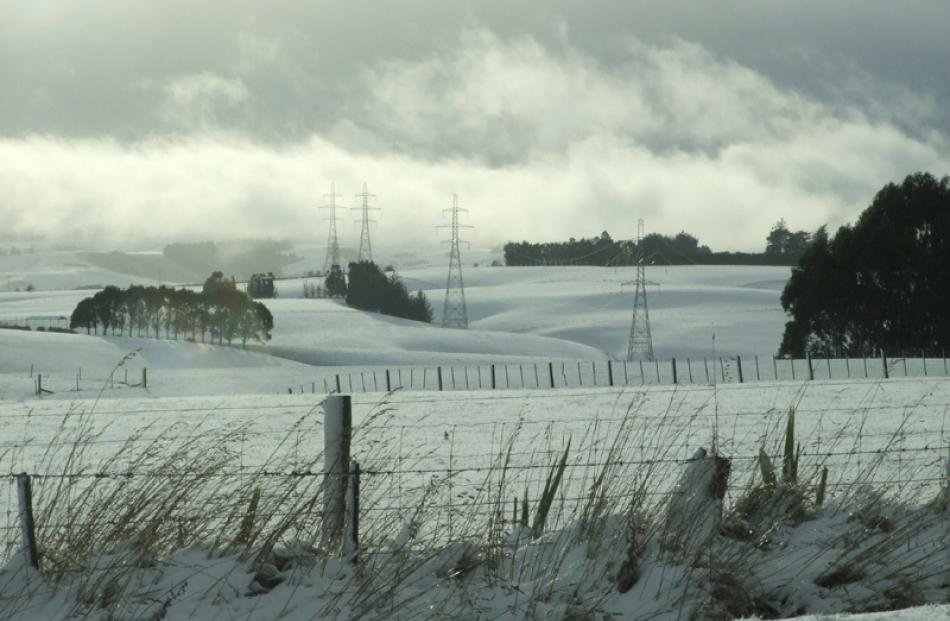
[[891, 435]]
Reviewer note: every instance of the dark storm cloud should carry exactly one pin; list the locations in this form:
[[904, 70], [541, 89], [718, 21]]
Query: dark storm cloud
[[564, 118]]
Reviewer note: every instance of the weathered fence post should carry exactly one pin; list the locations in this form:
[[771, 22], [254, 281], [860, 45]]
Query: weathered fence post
[[337, 431], [338, 389], [847, 367], [39, 384], [493, 377], [439, 374], [351, 537], [551, 373], [905, 365], [758, 376], [610, 372], [775, 368], [673, 366], [722, 369], [706, 367], [865, 366], [923, 357], [656, 363], [791, 362], [643, 380], [144, 377], [25, 496], [884, 365], [626, 379], [689, 369], [811, 370], [739, 366], [389, 383]]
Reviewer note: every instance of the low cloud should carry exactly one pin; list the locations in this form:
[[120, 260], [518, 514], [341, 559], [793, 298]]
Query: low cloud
[[540, 143]]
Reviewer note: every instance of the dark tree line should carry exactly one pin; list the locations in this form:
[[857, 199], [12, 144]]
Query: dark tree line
[[368, 288], [783, 247], [219, 311], [262, 286], [882, 284]]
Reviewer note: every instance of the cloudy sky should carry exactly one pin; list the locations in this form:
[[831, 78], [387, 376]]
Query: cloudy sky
[[126, 123]]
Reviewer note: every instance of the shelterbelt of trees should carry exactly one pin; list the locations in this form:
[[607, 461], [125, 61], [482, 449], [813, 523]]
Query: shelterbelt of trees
[[880, 284], [782, 247], [219, 311]]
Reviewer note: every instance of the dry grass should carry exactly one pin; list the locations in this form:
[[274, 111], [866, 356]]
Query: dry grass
[[624, 515]]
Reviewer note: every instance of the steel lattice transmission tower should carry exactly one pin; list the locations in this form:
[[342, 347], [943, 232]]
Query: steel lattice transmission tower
[[366, 247], [454, 312], [333, 242], [641, 339]]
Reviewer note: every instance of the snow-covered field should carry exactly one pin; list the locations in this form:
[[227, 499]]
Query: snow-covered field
[[454, 467]]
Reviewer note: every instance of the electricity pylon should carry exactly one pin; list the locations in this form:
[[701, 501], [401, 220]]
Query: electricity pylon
[[454, 312], [641, 339], [366, 247], [333, 242]]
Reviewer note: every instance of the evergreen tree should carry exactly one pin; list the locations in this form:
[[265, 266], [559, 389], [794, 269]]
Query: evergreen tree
[[880, 284]]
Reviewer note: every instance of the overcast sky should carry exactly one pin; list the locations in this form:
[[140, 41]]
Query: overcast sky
[[126, 123]]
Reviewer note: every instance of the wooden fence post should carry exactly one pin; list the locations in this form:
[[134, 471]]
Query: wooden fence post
[[811, 370], [739, 366], [673, 365], [27, 527], [656, 363], [689, 369], [39, 384], [643, 380], [758, 377], [722, 369], [884, 365], [493, 377], [389, 383], [551, 373], [440, 377], [351, 538], [144, 377], [775, 368], [337, 431], [610, 373]]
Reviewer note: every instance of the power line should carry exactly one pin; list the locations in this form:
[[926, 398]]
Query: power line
[[454, 311], [640, 342], [333, 241], [366, 246]]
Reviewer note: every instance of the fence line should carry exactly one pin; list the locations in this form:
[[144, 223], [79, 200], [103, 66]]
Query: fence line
[[548, 375]]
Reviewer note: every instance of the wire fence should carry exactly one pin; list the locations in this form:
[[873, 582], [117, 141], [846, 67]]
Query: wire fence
[[548, 375], [451, 467]]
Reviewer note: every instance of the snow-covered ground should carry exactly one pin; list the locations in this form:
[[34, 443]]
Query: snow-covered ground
[[465, 455]]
